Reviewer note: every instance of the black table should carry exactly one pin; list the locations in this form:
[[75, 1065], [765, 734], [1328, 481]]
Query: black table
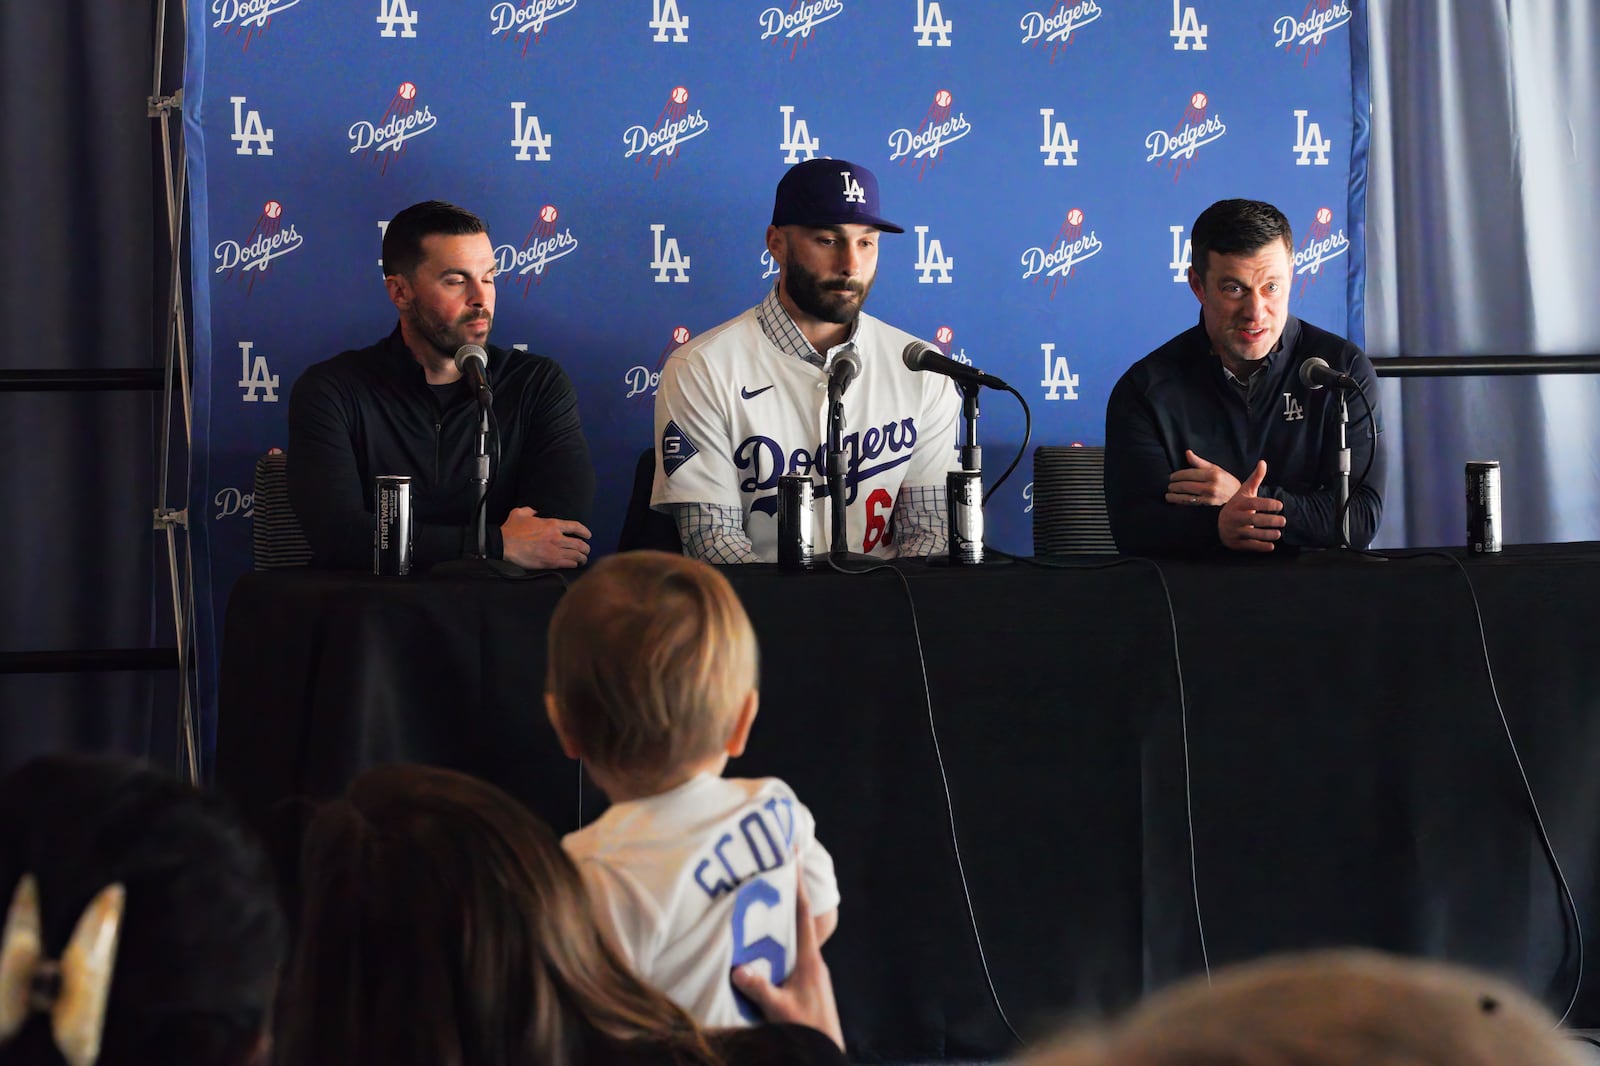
[[1348, 773]]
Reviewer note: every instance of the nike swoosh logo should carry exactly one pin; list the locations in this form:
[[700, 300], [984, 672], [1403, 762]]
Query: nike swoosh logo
[[750, 395]]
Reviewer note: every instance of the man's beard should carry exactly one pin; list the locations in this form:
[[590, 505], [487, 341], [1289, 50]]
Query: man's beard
[[446, 339], [822, 300]]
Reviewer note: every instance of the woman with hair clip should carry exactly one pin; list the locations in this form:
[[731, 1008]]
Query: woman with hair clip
[[142, 924], [443, 924]]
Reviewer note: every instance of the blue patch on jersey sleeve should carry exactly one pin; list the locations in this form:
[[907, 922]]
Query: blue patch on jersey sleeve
[[676, 448]]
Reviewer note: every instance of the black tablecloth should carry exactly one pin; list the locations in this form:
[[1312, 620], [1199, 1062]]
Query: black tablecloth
[[1348, 775]]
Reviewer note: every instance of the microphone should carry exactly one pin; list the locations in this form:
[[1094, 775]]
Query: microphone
[[473, 362], [1315, 373], [846, 365], [920, 355]]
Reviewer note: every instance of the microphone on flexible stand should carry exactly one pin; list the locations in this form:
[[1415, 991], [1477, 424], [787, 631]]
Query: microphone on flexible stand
[[964, 487], [473, 363]]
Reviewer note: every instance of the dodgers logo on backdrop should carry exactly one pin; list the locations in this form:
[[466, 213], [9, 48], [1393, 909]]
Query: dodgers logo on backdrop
[[1182, 255], [796, 137], [945, 338], [1307, 33], [255, 377], [1027, 498], [670, 24], [249, 17], [796, 24], [526, 20], [397, 18], [931, 23], [252, 137], [231, 502], [268, 240], [545, 243], [1188, 32], [667, 260], [1059, 382], [1309, 141], [641, 380], [674, 126], [1061, 259], [938, 129], [1322, 244], [1056, 26], [1058, 147], [400, 122], [931, 259], [769, 266], [527, 135], [1194, 131]]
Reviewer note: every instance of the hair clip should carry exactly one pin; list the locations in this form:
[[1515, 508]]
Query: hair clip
[[73, 990]]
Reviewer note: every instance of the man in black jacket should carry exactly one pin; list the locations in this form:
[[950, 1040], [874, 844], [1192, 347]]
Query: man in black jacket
[[1213, 441], [402, 407]]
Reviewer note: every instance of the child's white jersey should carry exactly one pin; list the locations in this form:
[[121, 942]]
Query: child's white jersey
[[698, 880]]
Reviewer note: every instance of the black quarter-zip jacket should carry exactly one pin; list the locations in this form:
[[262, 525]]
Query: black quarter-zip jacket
[[1178, 398], [370, 412]]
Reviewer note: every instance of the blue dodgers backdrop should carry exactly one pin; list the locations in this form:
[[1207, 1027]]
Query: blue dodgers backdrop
[[1045, 159]]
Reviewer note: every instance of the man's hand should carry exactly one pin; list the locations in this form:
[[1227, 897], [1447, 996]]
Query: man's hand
[[806, 998], [1202, 482], [535, 543], [1248, 522]]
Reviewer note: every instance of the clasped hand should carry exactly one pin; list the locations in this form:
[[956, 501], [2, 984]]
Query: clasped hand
[[535, 543]]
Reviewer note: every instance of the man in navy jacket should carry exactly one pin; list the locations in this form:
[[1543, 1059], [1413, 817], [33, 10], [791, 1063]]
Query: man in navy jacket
[[1213, 441]]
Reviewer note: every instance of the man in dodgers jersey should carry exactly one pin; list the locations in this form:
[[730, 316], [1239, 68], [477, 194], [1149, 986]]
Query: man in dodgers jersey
[[746, 402], [652, 675]]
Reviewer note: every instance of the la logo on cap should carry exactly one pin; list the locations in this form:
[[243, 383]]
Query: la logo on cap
[[853, 192]]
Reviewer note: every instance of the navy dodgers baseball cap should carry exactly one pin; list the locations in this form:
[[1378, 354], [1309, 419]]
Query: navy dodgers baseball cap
[[829, 192]]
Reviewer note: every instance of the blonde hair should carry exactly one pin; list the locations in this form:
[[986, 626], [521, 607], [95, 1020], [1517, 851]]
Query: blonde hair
[[1329, 1008], [650, 658]]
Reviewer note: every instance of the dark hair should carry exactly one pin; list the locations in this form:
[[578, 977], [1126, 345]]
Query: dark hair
[[402, 238], [443, 924], [1236, 227], [202, 935]]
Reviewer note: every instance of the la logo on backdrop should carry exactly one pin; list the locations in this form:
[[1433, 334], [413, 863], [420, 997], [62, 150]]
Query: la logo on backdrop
[[1058, 262], [660, 144], [642, 380], [1304, 36], [386, 137], [248, 18], [924, 146], [544, 244], [268, 240], [525, 23], [1177, 147]]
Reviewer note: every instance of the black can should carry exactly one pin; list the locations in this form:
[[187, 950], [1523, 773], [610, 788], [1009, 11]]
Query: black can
[[391, 538], [1483, 506], [963, 491], [797, 548]]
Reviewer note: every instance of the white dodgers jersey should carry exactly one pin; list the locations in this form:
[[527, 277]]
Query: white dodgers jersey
[[701, 879], [734, 413]]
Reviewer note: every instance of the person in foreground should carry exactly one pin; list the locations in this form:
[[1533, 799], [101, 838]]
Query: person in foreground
[[443, 924], [746, 402], [142, 925], [402, 406], [1329, 1008], [1213, 441], [652, 682]]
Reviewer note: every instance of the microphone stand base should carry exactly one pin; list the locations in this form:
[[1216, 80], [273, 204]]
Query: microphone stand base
[[1318, 556]]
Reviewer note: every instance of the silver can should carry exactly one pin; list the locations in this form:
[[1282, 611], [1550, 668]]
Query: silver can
[[1483, 506], [963, 490], [797, 548], [391, 537]]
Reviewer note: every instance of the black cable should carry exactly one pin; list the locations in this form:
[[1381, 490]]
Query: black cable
[[1027, 435], [1527, 787], [1183, 712], [944, 781], [494, 470]]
